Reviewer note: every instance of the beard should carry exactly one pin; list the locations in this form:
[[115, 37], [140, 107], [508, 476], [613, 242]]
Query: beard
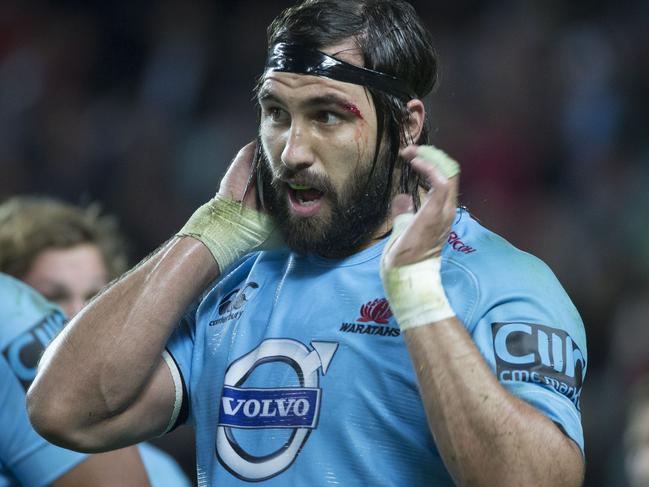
[[355, 211]]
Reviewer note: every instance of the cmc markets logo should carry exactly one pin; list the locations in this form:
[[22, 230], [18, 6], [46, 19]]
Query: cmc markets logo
[[535, 353], [24, 352], [377, 311], [294, 408], [232, 304]]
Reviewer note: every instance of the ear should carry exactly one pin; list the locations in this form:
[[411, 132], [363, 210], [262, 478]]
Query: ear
[[415, 122]]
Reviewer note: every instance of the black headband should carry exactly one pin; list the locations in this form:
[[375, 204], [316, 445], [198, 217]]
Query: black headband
[[294, 58]]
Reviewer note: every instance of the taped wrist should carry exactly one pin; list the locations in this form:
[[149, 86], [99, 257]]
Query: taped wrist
[[228, 229], [416, 294], [414, 291]]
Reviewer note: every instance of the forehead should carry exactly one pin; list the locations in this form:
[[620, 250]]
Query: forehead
[[287, 86], [80, 260]]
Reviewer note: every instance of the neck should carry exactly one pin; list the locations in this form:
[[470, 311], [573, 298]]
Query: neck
[[380, 232]]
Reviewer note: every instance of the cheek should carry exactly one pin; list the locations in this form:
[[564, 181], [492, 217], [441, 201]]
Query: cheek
[[351, 149], [362, 132], [362, 139], [271, 142]]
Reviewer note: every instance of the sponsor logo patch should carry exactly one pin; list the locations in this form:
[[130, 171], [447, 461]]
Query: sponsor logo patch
[[376, 311], [24, 352], [528, 352], [457, 244], [232, 305], [269, 408], [294, 408]]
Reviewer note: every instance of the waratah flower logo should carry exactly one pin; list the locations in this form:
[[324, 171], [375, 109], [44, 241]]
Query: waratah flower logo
[[377, 311]]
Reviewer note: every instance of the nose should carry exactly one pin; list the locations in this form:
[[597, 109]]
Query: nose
[[73, 306], [298, 151]]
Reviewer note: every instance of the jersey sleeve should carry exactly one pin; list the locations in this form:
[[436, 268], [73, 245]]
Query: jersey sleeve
[[25, 456], [178, 356], [528, 331], [27, 325]]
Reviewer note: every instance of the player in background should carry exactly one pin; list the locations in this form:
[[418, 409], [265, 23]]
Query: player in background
[[286, 357], [27, 323], [67, 254]]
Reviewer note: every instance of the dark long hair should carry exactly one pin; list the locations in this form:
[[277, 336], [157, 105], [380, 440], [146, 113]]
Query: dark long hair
[[392, 40]]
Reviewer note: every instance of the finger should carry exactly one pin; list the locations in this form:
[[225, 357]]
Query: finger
[[441, 201], [439, 206], [234, 183], [402, 213], [249, 196], [440, 159], [409, 152], [246, 154], [431, 173]]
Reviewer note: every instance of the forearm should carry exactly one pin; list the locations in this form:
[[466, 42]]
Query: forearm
[[485, 435], [104, 359]]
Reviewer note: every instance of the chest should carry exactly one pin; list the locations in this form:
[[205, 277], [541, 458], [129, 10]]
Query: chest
[[297, 361]]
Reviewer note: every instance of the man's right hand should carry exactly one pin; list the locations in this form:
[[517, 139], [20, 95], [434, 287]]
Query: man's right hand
[[229, 225]]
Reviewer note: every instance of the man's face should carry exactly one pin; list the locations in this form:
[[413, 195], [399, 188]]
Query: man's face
[[69, 277], [319, 137]]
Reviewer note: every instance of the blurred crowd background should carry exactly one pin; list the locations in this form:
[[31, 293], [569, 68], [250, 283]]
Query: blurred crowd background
[[141, 105]]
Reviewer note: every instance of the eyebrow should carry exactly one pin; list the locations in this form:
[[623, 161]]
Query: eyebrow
[[266, 95], [329, 99]]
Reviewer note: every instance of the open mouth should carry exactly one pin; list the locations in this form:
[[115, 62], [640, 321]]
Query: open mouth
[[305, 200], [305, 195]]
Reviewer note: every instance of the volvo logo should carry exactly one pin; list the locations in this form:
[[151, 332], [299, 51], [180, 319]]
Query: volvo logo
[[294, 408]]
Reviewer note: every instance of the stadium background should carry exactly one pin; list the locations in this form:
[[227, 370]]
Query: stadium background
[[141, 106]]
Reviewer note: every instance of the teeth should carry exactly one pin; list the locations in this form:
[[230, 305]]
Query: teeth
[[306, 203], [300, 198]]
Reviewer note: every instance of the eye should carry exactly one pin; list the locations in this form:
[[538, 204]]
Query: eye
[[328, 118], [275, 114], [56, 296]]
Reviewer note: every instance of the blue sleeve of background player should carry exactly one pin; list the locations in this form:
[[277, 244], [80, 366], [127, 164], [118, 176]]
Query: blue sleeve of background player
[[527, 329], [25, 456], [27, 324]]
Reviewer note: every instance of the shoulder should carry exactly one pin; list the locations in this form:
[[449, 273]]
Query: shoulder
[[17, 297], [491, 259], [491, 272], [23, 309]]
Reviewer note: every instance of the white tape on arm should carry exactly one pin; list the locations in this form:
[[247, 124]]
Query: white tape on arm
[[414, 291], [229, 229], [416, 294]]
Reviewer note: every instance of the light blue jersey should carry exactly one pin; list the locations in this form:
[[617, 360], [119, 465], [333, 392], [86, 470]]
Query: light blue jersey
[[28, 323], [161, 468], [296, 373]]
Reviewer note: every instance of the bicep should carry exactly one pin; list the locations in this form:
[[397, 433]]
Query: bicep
[[150, 415]]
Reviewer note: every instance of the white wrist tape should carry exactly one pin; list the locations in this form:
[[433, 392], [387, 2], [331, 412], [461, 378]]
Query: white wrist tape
[[229, 229], [440, 159], [414, 291]]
